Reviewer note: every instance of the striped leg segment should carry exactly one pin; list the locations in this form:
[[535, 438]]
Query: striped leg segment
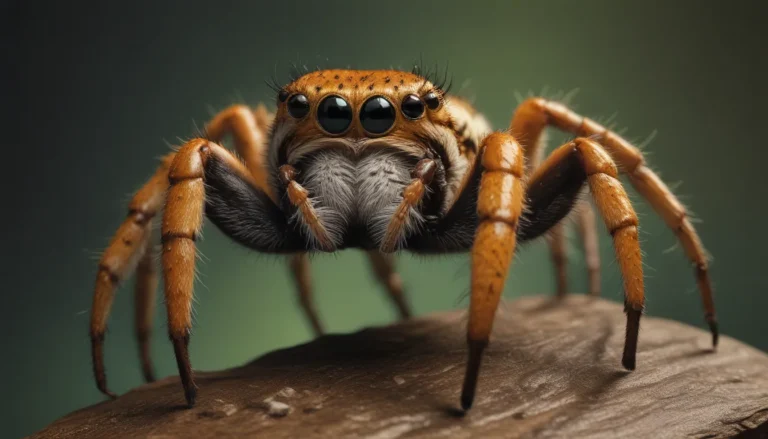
[[130, 242], [499, 204], [535, 114], [601, 174]]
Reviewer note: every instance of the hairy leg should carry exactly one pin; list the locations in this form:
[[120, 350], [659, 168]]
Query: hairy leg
[[206, 178], [588, 231], [144, 297], [118, 261], [383, 266], [558, 249], [299, 266], [535, 114], [248, 128], [585, 159], [499, 204]]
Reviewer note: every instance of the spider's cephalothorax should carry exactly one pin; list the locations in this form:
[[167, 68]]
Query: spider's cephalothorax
[[385, 160]]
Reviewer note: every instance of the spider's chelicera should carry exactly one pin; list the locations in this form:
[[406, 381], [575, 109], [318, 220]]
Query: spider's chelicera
[[384, 161]]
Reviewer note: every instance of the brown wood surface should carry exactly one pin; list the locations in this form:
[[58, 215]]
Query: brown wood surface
[[553, 369]]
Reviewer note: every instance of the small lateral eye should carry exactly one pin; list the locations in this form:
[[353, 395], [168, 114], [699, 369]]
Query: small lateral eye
[[282, 95], [377, 115], [412, 107], [432, 100], [298, 106]]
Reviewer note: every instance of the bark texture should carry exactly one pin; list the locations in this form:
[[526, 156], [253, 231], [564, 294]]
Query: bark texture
[[552, 370]]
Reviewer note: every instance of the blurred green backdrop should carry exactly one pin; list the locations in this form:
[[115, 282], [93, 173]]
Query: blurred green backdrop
[[94, 91]]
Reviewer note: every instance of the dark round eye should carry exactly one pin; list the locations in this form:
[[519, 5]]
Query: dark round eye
[[432, 100], [282, 95], [334, 114], [298, 106], [412, 107], [377, 115]]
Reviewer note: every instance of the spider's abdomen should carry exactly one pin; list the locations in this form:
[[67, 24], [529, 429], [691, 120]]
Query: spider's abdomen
[[356, 196]]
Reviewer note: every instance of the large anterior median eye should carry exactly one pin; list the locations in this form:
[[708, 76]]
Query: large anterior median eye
[[334, 114], [298, 106], [377, 115]]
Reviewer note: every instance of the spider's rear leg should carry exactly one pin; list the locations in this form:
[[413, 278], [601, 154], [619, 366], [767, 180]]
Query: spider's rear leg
[[144, 304], [383, 266], [533, 115], [552, 190], [131, 240], [300, 270]]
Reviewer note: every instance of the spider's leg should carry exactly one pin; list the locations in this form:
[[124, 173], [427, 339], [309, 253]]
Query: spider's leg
[[300, 269], [588, 231], [533, 140], [535, 114], [131, 240], [584, 159], [499, 204], [144, 301], [248, 128], [204, 177], [383, 266], [557, 248]]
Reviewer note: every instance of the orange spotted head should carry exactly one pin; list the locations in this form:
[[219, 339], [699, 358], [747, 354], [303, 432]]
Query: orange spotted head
[[358, 103], [360, 107]]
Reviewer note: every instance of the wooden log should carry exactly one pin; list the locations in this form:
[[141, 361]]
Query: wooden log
[[552, 370]]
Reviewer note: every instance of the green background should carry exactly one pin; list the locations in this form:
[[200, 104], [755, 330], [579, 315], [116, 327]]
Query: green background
[[92, 93]]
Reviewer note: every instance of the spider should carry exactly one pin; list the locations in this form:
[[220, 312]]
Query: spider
[[385, 160]]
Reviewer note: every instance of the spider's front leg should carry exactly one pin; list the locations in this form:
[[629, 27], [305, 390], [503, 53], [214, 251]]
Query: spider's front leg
[[499, 204], [551, 192], [206, 178]]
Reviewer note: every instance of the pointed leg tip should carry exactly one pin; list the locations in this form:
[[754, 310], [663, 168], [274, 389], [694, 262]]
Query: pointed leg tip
[[714, 329], [628, 362], [466, 402], [190, 395], [107, 392]]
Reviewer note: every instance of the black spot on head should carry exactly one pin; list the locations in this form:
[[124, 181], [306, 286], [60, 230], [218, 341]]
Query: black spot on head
[[336, 77], [402, 82], [318, 88], [363, 78], [370, 87], [341, 86], [387, 79], [396, 87]]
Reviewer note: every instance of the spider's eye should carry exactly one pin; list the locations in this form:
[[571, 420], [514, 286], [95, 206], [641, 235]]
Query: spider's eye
[[334, 114], [432, 100], [412, 107], [282, 95], [298, 106], [377, 115]]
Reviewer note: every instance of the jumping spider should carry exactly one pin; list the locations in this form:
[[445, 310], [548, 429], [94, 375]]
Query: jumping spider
[[382, 161]]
